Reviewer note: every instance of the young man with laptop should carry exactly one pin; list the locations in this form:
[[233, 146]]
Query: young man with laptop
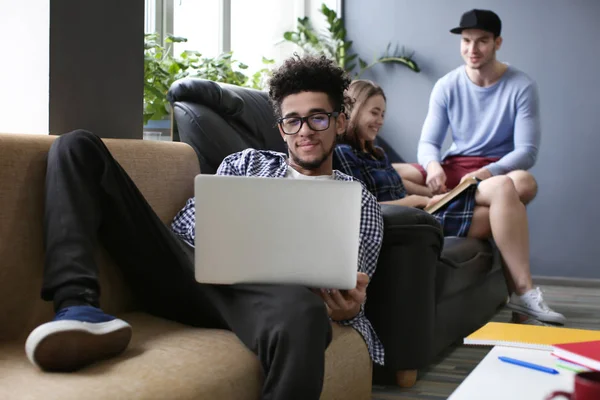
[[89, 196]]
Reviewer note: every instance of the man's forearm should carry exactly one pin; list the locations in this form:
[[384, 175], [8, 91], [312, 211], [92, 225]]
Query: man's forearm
[[522, 158], [435, 127], [428, 152]]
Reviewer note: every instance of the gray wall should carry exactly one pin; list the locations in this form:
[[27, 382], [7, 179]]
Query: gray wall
[[97, 67], [555, 42]]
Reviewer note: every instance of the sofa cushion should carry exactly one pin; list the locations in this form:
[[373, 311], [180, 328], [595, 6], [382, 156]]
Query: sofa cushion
[[164, 173], [167, 360]]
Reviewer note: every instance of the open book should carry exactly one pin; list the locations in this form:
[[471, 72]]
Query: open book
[[453, 193]]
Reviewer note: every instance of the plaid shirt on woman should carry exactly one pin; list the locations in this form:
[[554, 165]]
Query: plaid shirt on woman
[[270, 164], [383, 181]]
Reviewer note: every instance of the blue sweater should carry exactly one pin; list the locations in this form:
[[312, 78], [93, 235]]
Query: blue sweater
[[497, 121]]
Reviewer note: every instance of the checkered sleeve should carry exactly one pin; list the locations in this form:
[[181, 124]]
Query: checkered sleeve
[[371, 233], [184, 223], [371, 238], [234, 164]]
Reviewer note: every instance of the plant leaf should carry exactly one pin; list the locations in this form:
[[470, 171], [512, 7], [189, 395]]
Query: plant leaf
[[400, 60], [175, 39]]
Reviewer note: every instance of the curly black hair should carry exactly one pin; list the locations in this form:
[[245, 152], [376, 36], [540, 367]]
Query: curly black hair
[[309, 74]]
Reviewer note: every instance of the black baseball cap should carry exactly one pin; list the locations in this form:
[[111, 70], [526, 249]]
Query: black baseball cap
[[485, 20]]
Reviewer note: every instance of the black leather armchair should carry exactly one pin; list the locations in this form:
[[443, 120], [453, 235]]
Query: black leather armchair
[[428, 291]]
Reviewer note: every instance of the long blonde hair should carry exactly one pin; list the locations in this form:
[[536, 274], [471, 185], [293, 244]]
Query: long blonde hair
[[359, 91]]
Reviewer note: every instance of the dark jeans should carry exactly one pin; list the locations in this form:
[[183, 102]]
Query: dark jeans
[[90, 197]]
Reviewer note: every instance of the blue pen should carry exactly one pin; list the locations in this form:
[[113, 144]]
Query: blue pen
[[528, 365]]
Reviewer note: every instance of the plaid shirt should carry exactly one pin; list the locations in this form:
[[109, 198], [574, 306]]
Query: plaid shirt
[[379, 176], [383, 181], [264, 163]]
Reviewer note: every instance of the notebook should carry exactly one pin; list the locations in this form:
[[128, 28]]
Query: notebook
[[452, 194], [569, 366], [582, 353], [528, 336]]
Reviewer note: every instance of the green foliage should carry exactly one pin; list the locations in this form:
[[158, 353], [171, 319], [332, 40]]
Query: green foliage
[[333, 44], [161, 69]]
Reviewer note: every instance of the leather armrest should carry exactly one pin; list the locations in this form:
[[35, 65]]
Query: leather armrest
[[398, 219], [401, 296]]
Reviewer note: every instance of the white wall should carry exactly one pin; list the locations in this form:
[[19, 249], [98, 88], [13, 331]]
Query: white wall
[[24, 66]]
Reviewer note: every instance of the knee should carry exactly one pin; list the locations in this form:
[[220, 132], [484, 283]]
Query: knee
[[300, 313], [505, 187], [526, 185], [75, 141]]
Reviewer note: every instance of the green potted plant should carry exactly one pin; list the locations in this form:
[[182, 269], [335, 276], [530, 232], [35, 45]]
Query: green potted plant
[[162, 68], [334, 45]]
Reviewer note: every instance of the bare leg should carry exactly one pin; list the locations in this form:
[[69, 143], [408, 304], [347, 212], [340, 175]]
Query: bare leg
[[507, 222], [525, 184], [480, 228], [413, 179]]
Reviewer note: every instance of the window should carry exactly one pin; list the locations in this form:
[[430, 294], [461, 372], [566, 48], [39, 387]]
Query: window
[[251, 29], [199, 22], [257, 29]]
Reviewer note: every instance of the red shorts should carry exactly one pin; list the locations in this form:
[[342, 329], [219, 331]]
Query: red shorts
[[456, 167]]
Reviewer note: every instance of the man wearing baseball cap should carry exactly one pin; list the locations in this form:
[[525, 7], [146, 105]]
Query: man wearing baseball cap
[[492, 111]]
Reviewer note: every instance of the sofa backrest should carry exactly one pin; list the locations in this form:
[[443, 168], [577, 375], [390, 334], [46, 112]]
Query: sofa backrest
[[219, 119], [164, 173]]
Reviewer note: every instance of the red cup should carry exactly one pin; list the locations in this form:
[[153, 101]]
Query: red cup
[[587, 387]]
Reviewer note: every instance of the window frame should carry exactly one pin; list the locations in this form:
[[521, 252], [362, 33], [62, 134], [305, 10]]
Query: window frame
[[160, 18]]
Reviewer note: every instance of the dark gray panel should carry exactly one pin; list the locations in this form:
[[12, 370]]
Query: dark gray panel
[[97, 67]]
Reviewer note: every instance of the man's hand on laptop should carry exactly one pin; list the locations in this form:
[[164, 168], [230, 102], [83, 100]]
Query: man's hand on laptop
[[345, 304]]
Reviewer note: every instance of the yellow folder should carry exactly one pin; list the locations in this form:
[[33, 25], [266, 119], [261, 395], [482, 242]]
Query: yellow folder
[[528, 336]]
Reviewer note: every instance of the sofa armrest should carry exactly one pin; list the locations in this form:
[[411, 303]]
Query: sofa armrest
[[401, 303], [404, 217]]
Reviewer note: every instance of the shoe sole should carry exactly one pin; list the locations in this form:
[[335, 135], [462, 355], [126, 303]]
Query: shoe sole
[[70, 345], [543, 318]]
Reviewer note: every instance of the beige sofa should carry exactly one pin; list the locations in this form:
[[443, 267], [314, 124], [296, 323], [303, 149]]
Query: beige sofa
[[165, 360]]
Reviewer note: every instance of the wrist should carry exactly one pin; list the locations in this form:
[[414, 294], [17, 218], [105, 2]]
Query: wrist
[[433, 166], [483, 173], [339, 316]]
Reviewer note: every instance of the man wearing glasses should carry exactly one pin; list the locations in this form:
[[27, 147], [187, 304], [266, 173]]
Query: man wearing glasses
[[89, 195]]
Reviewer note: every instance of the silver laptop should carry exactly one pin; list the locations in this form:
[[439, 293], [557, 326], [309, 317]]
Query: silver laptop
[[277, 231]]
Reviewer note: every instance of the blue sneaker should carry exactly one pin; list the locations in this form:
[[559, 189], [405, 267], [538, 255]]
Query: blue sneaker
[[76, 337]]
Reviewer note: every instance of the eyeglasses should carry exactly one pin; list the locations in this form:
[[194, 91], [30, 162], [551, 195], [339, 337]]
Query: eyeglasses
[[316, 122]]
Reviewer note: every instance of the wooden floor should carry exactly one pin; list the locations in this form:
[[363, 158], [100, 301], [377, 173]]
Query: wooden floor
[[581, 306]]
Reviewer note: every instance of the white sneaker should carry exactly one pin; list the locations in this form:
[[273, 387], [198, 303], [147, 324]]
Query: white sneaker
[[535, 322], [532, 303], [522, 319]]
